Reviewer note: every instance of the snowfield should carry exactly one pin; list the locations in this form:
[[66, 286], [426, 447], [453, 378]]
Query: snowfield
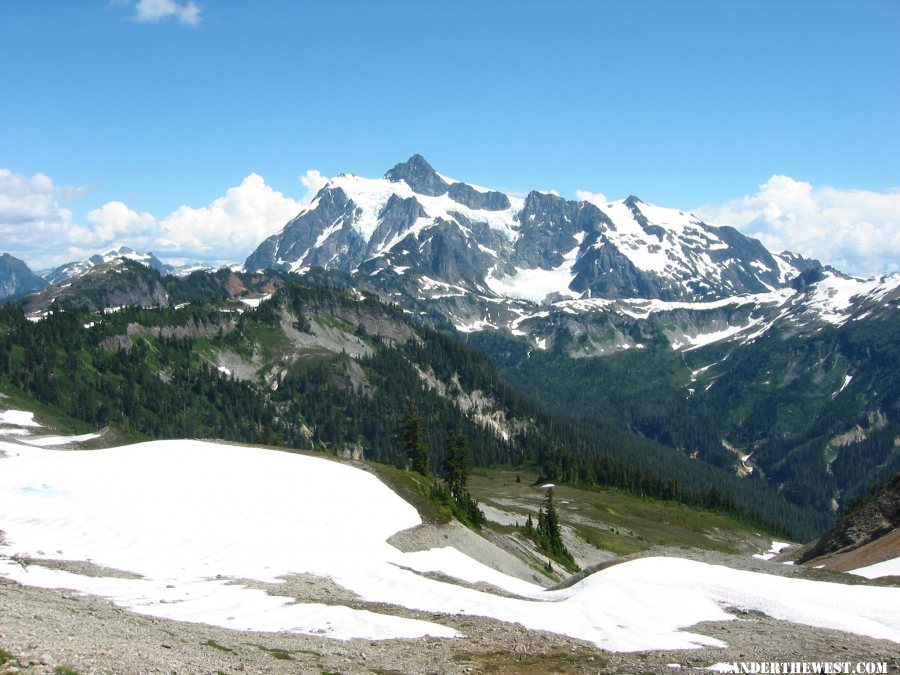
[[186, 518], [18, 418], [886, 568], [776, 547]]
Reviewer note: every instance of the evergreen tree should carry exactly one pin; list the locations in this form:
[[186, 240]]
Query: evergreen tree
[[456, 467], [409, 436], [548, 526], [456, 464], [547, 535], [529, 527]]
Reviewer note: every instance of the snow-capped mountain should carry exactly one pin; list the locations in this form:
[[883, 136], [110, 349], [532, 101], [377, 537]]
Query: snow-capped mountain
[[483, 259], [419, 222], [77, 268]]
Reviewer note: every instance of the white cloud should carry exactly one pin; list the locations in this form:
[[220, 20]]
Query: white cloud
[[154, 11], [313, 181], [232, 226], [115, 220], [24, 199], [857, 231], [34, 219], [595, 198], [37, 225]]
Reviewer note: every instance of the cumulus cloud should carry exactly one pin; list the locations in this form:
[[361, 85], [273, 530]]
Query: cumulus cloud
[[37, 225], [24, 199], [115, 220], [34, 217], [857, 231], [313, 181], [230, 227], [595, 198], [154, 11]]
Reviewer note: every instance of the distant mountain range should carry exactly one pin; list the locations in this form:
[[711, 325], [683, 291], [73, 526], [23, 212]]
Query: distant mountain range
[[78, 268], [17, 279]]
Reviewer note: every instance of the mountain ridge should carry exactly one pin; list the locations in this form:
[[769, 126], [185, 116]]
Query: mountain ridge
[[614, 255], [585, 280], [408, 238], [80, 267]]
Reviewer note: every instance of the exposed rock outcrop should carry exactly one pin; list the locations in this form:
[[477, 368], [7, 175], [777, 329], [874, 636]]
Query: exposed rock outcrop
[[876, 518]]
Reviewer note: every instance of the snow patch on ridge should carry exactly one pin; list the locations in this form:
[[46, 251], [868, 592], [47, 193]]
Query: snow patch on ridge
[[536, 284], [702, 339], [832, 297], [641, 308], [370, 195]]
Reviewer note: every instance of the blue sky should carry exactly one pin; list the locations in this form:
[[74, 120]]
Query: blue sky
[[779, 117]]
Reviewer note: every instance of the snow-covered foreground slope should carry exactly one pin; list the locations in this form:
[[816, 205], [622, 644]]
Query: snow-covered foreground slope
[[188, 516]]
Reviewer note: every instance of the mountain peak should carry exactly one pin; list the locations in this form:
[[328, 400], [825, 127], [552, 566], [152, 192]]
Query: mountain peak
[[419, 175], [16, 278]]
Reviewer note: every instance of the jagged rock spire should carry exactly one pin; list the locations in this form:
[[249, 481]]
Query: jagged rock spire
[[420, 176]]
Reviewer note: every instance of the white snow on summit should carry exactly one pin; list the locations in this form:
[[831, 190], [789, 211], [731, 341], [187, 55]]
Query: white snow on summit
[[372, 194], [81, 267], [668, 253], [630, 238]]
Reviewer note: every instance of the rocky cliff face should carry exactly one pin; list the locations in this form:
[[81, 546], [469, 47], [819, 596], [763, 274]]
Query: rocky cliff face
[[16, 278], [874, 519]]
